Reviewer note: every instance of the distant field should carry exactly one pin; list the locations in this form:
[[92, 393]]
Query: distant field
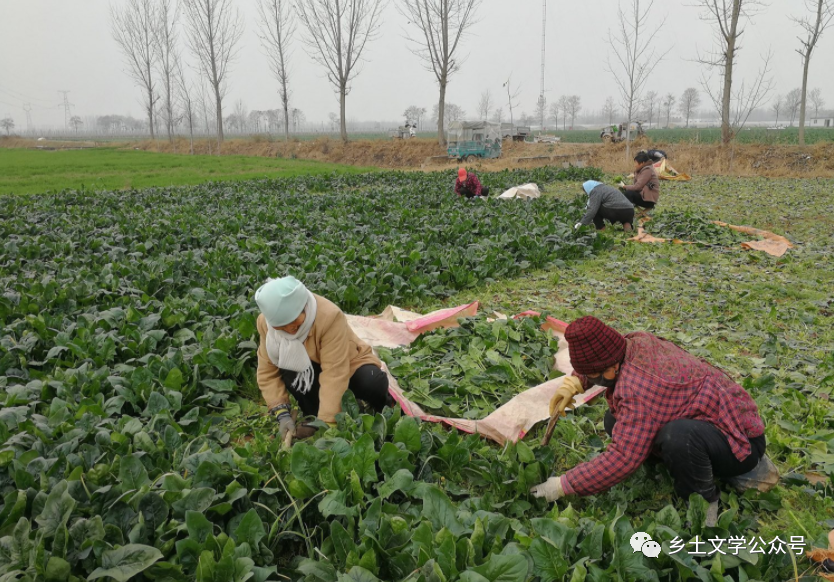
[[32, 171], [789, 136]]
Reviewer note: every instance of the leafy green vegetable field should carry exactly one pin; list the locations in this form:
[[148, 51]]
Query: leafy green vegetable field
[[133, 447]]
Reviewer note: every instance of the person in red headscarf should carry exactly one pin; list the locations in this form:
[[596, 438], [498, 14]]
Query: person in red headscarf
[[662, 401], [469, 185]]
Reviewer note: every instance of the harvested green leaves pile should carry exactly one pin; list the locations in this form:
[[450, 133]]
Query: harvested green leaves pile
[[471, 370], [692, 226]]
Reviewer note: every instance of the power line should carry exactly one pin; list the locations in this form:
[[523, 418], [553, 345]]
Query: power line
[[15, 94]]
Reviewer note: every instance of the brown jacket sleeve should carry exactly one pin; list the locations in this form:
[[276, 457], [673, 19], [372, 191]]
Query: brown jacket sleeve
[[269, 376], [335, 356]]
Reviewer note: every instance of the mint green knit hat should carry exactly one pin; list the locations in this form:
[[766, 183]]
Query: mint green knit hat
[[281, 300]]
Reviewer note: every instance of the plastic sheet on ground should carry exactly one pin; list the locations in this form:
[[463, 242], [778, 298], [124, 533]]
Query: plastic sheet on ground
[[510, 422], [525, 192], [772, 244], [665, 171]]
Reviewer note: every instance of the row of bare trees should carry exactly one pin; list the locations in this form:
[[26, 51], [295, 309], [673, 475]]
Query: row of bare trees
[[147, 31], [634, 56], [337, 33]]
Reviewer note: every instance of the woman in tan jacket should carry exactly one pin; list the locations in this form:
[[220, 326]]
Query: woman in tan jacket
[[645, 192], [308, 350]]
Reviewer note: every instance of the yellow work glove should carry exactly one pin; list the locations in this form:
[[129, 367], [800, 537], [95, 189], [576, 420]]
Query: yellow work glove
[[571, 386]]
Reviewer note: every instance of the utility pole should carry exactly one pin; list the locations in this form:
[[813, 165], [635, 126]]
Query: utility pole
[[27, 107], [542, 101], [67, 111]]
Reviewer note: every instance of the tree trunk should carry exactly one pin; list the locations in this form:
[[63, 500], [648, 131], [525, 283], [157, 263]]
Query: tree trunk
[[628, 131], [804, 97], [219, 104], [441, 114], [342, 112], [727, 94], [170, 110], [286, 104], [150, 113]]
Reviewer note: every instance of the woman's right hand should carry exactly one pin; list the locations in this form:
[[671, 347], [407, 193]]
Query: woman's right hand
[[286, 425]]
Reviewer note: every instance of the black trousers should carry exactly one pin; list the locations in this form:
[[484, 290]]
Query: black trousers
[[613, 215], [484, 193], [636, 199], [695, 452], [368, 383]]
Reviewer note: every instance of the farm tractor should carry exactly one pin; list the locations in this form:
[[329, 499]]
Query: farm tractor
[[468, 140], [617, 133]]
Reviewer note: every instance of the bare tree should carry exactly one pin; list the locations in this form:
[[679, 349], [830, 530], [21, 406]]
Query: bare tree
[[669, 103], [777, 106], [187, 98], [555, 114], [635, 56], [726, 17], [298, 119], [817, 102], [649, 104], [574, 106], [204, 101], [690, 100], [441, 26], [498, 116], [76, 122], [214, 28], [277, 28], [241, 114], [338, 31], [564, 107], [609, 110], [451, 111], [133, 30], [812, 29], [485, 105], [165, 37], [7, 123], [512, 97], [792, 102]]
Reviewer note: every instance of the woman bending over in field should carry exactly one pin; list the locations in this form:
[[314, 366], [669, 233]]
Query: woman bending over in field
[[308, 350], [645, 192], [606, 203]]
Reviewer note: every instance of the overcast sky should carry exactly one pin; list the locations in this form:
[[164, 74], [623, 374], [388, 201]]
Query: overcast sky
[[52, 45]]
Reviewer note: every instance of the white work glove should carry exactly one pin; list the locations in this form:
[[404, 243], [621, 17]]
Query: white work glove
[[622, 184], [285, 422], [578, 224], [551, 489]]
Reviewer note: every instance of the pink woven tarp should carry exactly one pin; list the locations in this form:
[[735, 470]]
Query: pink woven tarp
[[510, 422]]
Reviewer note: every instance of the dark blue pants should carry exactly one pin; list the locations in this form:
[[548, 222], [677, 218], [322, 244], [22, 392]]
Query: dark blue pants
[[695, 452]]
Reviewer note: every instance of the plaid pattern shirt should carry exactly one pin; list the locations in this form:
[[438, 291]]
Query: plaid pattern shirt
[[471, 187], [658, 383]]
